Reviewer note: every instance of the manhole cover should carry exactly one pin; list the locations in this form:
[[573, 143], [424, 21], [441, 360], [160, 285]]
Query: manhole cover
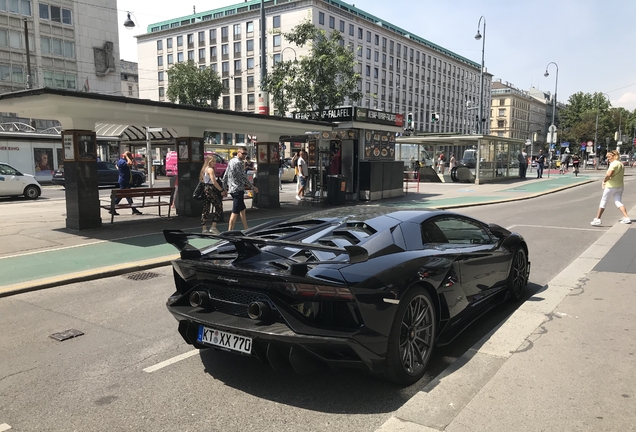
[[139, 276], [66, 334]]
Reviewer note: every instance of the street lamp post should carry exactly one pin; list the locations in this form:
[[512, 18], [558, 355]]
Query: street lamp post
[[480, 120], [554, 98]]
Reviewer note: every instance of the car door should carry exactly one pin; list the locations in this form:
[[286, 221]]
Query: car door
[[107, 173], [482, 266], [11, 181]]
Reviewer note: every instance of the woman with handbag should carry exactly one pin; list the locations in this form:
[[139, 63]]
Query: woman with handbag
[[213, 196]]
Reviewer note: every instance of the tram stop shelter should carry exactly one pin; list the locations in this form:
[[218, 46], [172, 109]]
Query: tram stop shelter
[[479, 158], [80, 112]]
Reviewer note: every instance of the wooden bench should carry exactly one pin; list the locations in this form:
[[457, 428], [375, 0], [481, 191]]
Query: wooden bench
[[142, 197]]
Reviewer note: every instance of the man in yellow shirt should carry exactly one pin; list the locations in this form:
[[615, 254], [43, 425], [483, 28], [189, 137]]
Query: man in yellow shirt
[[613, 187]]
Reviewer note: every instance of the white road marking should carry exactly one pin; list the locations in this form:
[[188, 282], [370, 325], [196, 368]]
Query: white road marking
[[168, 362], [4, 427], [553, 227]]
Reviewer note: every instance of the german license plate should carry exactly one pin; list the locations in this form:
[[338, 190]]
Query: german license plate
[[225, 340]]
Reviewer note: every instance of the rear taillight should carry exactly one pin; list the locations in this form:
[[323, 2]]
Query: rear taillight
[[310, 291]]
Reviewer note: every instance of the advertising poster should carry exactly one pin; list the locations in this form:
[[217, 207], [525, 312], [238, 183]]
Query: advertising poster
[[262, 153], [379, 145], [273, 157], [196, 151], [60, 158], [183, 150], [87, 149], [43, 159]]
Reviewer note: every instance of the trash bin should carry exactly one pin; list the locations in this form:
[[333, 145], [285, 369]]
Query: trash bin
[[336, 189]]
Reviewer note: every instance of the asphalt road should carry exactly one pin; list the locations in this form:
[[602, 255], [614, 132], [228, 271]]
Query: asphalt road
[[97, 381]]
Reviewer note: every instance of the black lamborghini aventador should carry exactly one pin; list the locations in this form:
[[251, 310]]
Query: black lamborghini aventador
[[377, 293]]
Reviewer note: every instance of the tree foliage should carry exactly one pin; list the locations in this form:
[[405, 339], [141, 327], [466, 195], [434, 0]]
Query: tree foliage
[[189, 85], [578, 121], [323, 79]]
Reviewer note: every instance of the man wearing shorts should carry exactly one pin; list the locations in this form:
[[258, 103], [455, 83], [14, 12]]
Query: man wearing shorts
[[234, 181], [303, 172], [613, 187]]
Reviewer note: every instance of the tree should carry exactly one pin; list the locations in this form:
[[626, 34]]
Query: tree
[[323, 79], [189, 85], [578, 118]]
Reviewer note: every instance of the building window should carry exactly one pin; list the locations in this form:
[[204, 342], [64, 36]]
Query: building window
[[501, 123], [502, 112], [225, 50], [161, 92], [249, 45], [237, 31], [160, 61], [190, 55], [180, 57], [201, 38], [250, 26], [226, 102], [376, 56], [170, 59], [179, 41], [250, 101], [191, 40], [277, 40], [250, 63], [351, 30], [321, 18], [238, 102], [369, 36], [130, 90], [276, 21], [237, 49], [342, 26], [201, 55], [52, 13], [277, 59], [213, 54], [169, 43], [332, 22], [160, 76], [502, 102], [250, 81], [368, 70], [212, 36], [377, 40], [237, 66], [224, 34]]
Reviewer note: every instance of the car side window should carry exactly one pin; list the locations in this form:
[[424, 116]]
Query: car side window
[[219, 159], [106, 166], [7, 170], [431, 234], [462, 231]]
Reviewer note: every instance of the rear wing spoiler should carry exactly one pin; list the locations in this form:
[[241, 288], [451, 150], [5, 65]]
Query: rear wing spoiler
[[247, 247]]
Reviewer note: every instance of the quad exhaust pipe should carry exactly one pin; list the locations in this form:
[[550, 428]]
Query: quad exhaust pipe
[[258, 310], [199, 299]]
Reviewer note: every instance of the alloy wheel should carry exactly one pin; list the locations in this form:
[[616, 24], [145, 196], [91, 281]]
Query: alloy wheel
[[416, 334], [519, 273]]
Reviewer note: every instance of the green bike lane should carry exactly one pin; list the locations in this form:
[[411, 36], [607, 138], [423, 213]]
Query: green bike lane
[[103, 258]]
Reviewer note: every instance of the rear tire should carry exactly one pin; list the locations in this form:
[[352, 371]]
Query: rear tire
[[32, 192], [518, 276], [412, 337]]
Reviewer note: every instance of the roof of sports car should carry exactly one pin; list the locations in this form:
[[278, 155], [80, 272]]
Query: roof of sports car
[[367, 213]]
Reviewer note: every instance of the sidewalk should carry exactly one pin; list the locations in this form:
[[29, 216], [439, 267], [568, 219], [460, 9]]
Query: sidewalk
[[40, 252]]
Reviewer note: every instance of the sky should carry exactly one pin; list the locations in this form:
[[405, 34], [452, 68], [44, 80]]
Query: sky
[[591, 41]]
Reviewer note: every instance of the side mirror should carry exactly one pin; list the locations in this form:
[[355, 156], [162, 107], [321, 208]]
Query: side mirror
[[498, 231]]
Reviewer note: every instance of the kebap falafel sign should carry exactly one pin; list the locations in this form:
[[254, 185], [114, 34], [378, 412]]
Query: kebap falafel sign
[[379, 145]]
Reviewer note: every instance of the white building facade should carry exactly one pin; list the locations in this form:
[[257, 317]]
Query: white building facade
[[72, 45], [400, 72]]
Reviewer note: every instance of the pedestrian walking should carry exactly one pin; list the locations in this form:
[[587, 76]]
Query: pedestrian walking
[[280, 173], [440, 163], [303, 172], [234, 182], [523, 163], [294, 163], [213, 199], [452, 163], [540, 164], [613, 188], [123, 166]]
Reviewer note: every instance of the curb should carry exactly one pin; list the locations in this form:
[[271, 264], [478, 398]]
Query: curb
[[85, 276], [435, 407]]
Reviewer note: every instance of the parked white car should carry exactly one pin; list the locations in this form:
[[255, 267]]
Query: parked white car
[[14, 183], [589, 162]]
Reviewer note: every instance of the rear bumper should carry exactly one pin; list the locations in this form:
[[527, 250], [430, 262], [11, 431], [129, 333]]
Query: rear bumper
[[334, 351]]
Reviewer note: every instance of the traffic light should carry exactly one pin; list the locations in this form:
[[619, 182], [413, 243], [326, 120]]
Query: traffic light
[[409, 121], [434, 117]]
